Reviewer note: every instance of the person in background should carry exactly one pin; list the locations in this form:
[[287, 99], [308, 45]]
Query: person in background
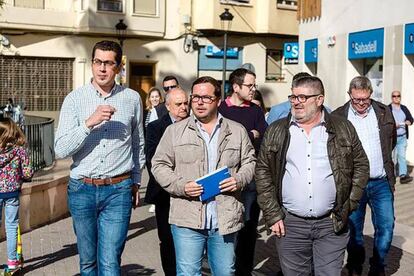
[[188, 150], [176, 102], [376, 129], [239, 108], [101, 128], [310, 174], [15, 167], [258, 100], [168, 83], [154, 98], [403, 119]]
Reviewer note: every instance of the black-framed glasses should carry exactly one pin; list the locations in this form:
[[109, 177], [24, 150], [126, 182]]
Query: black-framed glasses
[[360, 100], [396, 96], [301, 97], [168, 88], [251, 86], [204, 99], [106, 63]]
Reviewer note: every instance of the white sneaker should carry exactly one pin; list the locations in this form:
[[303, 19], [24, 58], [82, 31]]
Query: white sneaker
[[151, 209]]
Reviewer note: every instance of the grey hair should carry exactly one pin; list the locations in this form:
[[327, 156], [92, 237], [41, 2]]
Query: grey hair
[[310, 81], [360, 83], [168, 95]]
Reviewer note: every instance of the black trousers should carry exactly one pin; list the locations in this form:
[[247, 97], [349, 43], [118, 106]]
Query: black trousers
[[167, 251], [246, 242]]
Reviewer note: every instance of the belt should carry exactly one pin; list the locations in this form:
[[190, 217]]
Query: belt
[[311, 218], [107, 181]]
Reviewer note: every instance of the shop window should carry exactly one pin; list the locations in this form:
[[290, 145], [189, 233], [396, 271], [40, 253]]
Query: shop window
[[147, 7], [287, 4], [33, 4], [110, 5], [274, 65]]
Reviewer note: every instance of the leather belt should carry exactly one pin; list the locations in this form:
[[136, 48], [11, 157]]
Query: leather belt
[[107, 181], [311, 218]]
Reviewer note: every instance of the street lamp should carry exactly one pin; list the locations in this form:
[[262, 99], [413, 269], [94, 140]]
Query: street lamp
[[121, 31], [226, 17]]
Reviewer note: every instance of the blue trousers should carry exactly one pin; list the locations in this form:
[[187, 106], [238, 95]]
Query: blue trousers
[[379, 197], [11, 213], [101, 216]]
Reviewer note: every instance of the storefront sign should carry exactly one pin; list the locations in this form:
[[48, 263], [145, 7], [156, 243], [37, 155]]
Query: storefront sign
[[291, 52], [366, 44], [213, 51], [409, 39], [311, 51]]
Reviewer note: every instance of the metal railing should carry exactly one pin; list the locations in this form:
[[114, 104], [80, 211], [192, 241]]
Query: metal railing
[[40, 137]]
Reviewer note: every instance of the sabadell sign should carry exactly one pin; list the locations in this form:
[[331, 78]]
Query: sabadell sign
[[366, 44]]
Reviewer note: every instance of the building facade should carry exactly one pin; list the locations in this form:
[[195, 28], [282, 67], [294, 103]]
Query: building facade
[[45, 44], [339, 40]]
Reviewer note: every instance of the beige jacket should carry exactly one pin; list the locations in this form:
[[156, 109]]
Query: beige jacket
[[180, 158]]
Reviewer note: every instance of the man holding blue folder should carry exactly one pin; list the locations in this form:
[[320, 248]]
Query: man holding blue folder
[[189, 150]]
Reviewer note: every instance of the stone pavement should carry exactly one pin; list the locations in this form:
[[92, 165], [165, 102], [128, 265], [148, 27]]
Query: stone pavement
[[51, 249]]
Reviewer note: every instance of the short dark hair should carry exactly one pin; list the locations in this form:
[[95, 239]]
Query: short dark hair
[[299, 75], [167, 78], [237, 77], [210, 80], [360, 82], [107, 45], [311, 82]]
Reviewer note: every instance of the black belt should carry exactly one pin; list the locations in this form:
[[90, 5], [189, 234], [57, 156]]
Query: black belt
[[311, 218]]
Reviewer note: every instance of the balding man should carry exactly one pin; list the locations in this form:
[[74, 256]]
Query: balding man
[[177, 106]]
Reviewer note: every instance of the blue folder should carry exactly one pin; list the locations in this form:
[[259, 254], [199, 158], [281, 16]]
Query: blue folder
[[211, 183]]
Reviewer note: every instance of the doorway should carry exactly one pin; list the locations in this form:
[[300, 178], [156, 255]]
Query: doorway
[[142, 78]]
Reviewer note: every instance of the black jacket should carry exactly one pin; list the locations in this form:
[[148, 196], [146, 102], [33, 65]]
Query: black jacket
[[161, 110], [388, 134], [408, 116], [348, 160], [155, 130]]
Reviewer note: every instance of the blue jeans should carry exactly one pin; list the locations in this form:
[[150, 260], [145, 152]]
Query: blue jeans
[[380, 199], [399, 154], [101, 216], [11, 212], [189, 250]]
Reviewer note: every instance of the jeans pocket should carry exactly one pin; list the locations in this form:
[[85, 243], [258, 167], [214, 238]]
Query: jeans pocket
[[74, 185], [123, 185]]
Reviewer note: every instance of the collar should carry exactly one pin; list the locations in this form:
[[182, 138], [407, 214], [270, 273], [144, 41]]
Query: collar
[[218, 122], [358, 114], [114, 90], [321, 122], [229, 103]]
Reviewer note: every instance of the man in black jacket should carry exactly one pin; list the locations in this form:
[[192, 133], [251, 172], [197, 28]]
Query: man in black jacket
[[168, 83], [375, 126], [310, 174], [176, 102], [403, 119]]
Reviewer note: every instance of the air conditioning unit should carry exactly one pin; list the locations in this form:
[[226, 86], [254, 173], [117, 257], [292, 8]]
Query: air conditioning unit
[[110, 6]]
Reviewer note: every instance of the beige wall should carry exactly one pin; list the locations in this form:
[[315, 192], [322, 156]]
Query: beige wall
[[339, 18]]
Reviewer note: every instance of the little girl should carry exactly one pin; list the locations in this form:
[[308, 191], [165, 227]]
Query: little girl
[[14, 168]]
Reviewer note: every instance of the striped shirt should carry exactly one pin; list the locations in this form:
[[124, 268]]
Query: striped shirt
[[369, 134], [109, 149]]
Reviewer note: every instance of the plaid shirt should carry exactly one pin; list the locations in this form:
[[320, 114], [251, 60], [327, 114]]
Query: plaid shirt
[[111, 148]]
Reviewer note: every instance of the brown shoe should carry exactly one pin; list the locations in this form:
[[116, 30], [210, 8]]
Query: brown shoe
[[404, 179]]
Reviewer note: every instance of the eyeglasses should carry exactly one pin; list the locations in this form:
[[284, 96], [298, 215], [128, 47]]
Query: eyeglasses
[[204, 99], [301, 98], [98, 62], [251, 86], [168, 88], [361, 100], [396, 96]]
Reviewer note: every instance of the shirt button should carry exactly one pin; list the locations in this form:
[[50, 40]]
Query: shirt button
[[308, 169], [106, 129], [101, 161], [309, 183], [103, 145], [309, 142], [310, 196], [310, 210], [308, 155]]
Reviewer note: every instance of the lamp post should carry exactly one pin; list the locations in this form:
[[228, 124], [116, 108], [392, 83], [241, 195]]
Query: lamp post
[[226, 17], [121, 31]]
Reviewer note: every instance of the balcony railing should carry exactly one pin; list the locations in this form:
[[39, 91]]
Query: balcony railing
[[39, 133]]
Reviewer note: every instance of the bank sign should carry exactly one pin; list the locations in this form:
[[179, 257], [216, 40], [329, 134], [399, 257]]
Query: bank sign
[[213, 51], [311, 51], [409, 39], [291, 52], [366, 44]]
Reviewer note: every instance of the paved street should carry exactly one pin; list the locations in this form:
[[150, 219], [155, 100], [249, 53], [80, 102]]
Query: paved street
[[51, 250]]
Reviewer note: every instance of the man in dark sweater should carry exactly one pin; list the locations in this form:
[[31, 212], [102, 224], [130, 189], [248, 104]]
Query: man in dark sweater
[[238, 107]]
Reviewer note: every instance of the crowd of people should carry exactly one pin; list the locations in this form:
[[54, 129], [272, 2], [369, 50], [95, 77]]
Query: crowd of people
[[312, 172]]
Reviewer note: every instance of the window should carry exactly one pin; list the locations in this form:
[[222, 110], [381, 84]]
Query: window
[[287, 4], [110, 5], [147, 7], [34, 4], [38, 84], [274, 65]]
